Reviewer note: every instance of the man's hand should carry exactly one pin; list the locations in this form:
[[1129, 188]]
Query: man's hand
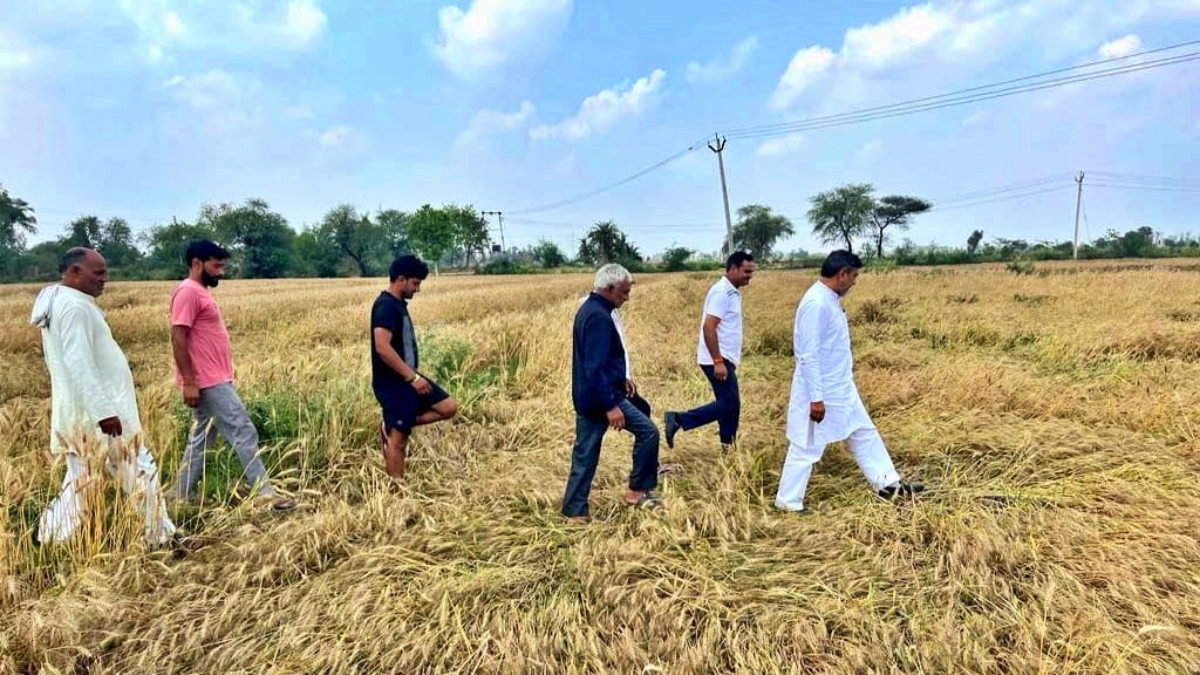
[[720, 371], [630, 388], [616, 419], [191, 395], [421, 385], [111, 426], [816, 411]]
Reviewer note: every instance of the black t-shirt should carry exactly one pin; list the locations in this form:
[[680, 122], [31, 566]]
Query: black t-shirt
[[392, 314]]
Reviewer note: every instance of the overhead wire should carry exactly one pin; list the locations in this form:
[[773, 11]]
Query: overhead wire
[[605, 188], [912, 107], [1026, 78], [1035, 82], [1060, 188]]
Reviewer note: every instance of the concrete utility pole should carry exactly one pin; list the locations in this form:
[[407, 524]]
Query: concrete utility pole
[[1078, 204], [718, 148], [499, 216]]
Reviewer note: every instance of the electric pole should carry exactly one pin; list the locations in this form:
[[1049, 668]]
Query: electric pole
[[1078, 204], [718, 146], [500, 217]]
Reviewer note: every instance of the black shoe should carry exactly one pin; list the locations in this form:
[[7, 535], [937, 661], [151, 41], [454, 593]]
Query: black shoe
[[671, 422], [891, 492]]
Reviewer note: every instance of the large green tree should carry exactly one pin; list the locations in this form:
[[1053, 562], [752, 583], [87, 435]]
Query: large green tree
[[166, 244], [606, 243], [316, 254], [759, 229], [16, 220], [393, 226], [840, 215], [471, 235], [260, 238], [973, 241], [893, 212], [547, 254], [357, 238], [117, 243], [431, 233], [84, 231]]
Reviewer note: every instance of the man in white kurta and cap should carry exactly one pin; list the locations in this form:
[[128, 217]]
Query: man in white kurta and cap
[[93, 406], [825, 406]]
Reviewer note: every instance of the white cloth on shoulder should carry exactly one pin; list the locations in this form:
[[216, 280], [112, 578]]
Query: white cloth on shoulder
[[90, 381]]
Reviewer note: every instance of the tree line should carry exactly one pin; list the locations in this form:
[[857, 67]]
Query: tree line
[[263, 245], [347, 242]]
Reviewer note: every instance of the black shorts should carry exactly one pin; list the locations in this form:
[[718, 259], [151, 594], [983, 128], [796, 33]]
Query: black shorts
[[402, 404]]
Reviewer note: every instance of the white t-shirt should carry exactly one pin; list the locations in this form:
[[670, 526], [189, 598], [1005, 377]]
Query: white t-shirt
[[725, 303]]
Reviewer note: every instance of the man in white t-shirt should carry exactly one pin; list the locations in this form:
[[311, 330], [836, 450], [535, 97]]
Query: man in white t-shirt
[[719, 351]]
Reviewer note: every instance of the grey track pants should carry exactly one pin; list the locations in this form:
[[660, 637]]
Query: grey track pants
[[221, 411]]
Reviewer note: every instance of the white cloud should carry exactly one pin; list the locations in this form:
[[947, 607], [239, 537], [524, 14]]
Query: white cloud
[[251, 26], [1125, 46], [303, 24], [805, 67], [494, 33], [780, 146], [722, 67], [15, 59], [210, 90], [340, 147], [882, 44], [173, 26], [295, 26], [15, 53], [490, 121], [599, 112], [945, 43]]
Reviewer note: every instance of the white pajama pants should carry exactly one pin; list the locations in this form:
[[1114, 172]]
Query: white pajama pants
[[139, 479], [869, 451]]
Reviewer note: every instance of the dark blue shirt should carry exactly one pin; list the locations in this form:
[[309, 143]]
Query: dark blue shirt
[[391, 313], [597, 359]]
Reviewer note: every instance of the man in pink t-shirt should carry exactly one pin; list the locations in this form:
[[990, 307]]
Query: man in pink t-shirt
[[204, 372]]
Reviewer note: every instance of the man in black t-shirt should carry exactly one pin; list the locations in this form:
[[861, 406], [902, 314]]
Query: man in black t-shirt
[[409, 400]]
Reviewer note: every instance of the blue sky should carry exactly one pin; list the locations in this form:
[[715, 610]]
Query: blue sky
[[147, 109]]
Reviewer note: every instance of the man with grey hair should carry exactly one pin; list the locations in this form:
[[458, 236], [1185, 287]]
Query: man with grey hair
[[600, 393], [93, 406]]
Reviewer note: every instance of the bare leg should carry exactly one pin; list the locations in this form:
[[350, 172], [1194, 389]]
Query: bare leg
[[440, 412], [393, 454]]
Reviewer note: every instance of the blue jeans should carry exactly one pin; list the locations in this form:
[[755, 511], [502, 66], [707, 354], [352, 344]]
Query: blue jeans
[[589, 434], [726, 411]]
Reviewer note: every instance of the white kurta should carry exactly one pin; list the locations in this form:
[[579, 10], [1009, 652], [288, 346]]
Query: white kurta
[[90, 380], [825, 372]]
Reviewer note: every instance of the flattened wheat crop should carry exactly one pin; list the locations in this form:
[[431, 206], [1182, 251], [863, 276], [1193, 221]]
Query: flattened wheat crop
[[1053, 415]]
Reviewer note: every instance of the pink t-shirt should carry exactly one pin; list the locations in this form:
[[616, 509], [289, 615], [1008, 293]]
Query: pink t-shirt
[[208, 341]]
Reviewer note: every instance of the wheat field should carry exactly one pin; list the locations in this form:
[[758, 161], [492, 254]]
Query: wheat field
[[1053, 416]]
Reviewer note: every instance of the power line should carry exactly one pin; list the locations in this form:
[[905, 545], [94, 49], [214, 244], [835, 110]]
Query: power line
[[685, 226], [1144, 178], [859, 117], [912, 106], [1148, 188], [592, 193], [780, 125], [1059, 188], [1015, 187]]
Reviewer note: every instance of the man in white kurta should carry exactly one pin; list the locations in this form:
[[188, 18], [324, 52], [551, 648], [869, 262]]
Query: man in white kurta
[[825, 405], [93, 406]]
